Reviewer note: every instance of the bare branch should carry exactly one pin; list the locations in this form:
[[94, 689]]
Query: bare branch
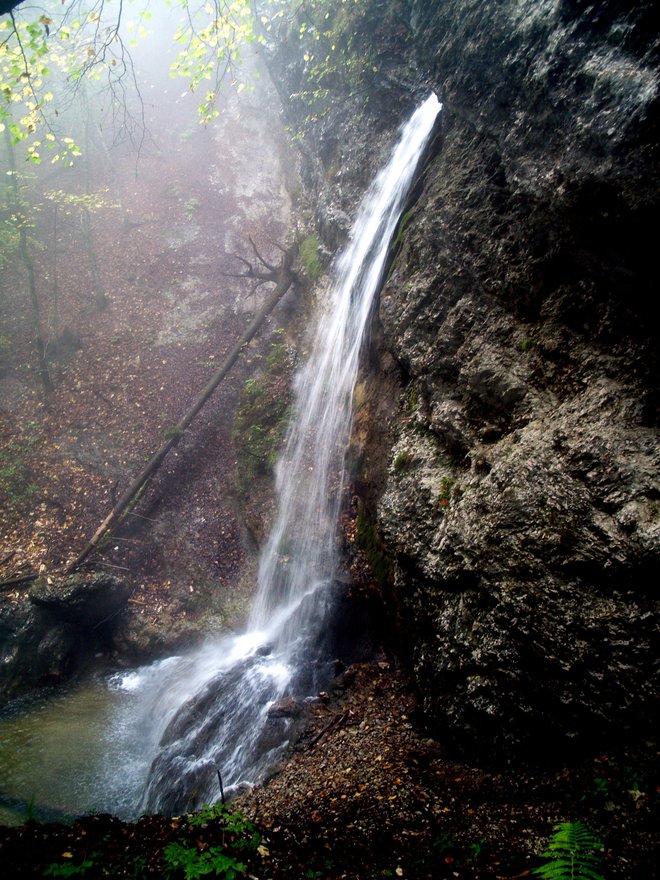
[[258, 284], [260, 258], [246, 262], [252, 272], [276, 244]]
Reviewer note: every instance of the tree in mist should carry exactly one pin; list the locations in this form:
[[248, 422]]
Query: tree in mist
[[79, 208], [45, 63], [19, 208], [17, 216], [90, 41]]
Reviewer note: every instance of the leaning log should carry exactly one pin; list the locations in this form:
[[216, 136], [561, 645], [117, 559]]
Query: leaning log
[[284, 277]]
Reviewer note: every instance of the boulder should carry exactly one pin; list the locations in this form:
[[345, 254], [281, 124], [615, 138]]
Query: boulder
[[57, 630], [87, 601]]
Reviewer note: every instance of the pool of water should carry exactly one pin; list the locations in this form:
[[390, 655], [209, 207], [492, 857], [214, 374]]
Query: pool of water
[[90, 747], [68, 752]]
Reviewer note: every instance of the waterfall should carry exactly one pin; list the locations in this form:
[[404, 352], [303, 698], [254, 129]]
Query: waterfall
[[209, 711], [300, 554]]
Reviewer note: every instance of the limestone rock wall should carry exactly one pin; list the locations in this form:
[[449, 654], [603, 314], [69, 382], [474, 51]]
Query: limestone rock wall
[[515, 486]]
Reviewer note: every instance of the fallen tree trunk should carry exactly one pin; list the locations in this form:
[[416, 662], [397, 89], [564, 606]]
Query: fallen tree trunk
[[284, 277]]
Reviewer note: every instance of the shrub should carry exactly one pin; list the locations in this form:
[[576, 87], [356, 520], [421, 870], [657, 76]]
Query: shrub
[[402, 460], [262, 417], [369, 541], [194, 864], [16, 487]]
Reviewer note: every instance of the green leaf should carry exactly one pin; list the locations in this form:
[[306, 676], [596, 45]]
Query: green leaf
[[570, 854]]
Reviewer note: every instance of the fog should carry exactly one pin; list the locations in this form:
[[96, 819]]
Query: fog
[[118, 299]]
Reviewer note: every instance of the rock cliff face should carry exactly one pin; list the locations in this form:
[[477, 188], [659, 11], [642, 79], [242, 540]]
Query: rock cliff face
[[515, 490]]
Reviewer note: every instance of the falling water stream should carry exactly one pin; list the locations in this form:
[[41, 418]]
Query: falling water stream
[[166, 729]]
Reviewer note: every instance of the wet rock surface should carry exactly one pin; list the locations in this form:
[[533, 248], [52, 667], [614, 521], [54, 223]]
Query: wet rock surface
[[58, 630], [524, 522], [513, 357], [84, 600]]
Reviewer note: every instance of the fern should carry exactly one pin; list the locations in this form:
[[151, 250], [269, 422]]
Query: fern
[[570, 854]]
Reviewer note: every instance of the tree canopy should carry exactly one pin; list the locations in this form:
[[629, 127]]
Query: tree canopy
[[47, 52]]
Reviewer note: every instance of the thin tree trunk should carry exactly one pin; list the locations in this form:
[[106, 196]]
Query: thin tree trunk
[[285, 278], [28, 262], [103, 147], [55, 312], [99, 290]]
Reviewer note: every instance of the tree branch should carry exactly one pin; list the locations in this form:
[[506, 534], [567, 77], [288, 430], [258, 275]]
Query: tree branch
[[259, 257]]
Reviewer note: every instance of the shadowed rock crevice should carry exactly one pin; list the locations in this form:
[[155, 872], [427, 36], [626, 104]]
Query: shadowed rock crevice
[[60, 630]]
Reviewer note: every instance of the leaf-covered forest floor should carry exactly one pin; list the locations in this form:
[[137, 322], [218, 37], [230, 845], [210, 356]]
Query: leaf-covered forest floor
[[367, 794]]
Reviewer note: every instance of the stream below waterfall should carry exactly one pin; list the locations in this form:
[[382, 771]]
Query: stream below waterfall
[[155, 738]]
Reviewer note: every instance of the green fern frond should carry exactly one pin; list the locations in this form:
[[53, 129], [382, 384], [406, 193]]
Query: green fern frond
[[570, 854], [572, 837]]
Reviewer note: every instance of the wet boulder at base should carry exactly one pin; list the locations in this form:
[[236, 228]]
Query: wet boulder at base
[[88, 601]]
